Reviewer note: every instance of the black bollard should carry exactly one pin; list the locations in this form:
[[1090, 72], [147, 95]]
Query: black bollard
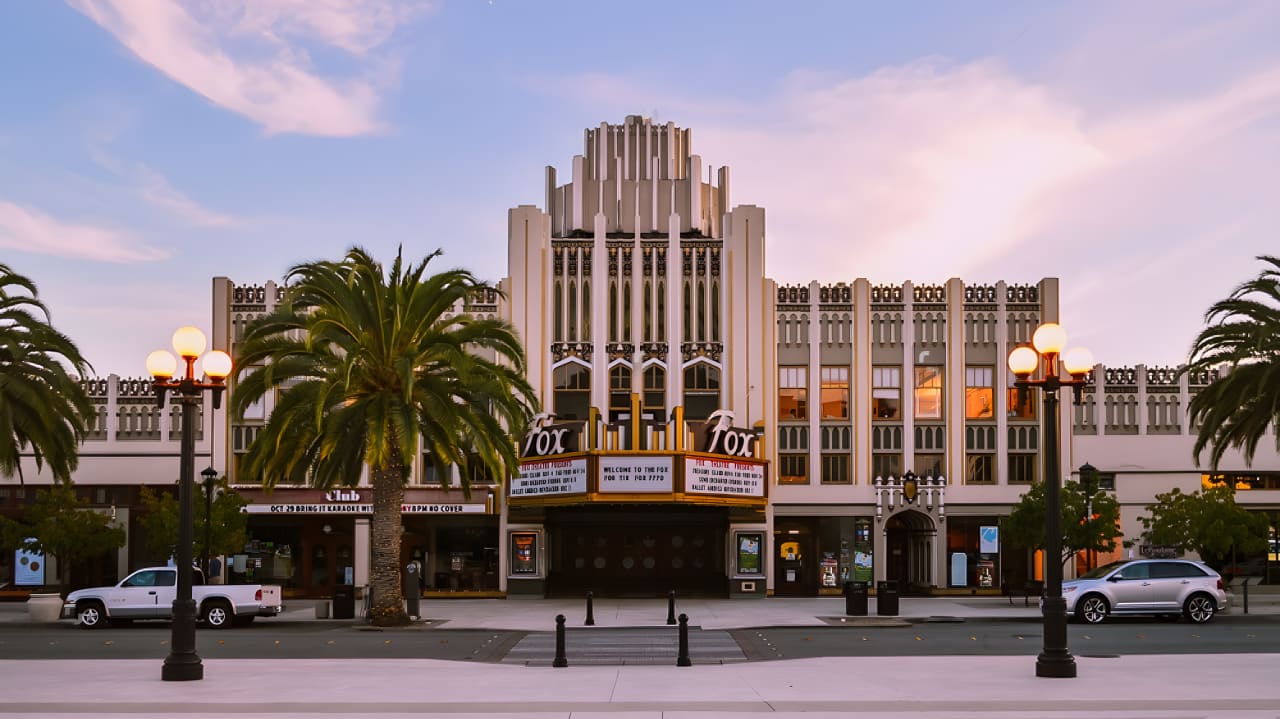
[[1245, 587], [671, 607], [683, 659], [560, 660], [591, 616]]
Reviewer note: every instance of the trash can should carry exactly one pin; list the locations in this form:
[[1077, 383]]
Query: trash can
[[855, 599], [344, 601], [887, 599]]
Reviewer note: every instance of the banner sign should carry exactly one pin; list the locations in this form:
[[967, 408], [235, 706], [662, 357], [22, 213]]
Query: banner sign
[[636, 474], [347, 508], [723, 477], [550, 477]]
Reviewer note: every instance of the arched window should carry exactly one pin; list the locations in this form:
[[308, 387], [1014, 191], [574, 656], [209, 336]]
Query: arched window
[[586, 311], [619, 391], [572, 399], [655, 391], [701, 390]]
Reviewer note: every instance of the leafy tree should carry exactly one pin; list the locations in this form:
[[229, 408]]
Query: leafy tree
[[371, 366], [1207, 522], [1236, 409], [1080, 531], [227, 530], [42, 405], [61, 525]]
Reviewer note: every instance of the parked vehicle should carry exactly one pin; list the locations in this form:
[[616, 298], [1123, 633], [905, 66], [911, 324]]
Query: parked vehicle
[[1163, 587], [149, 594]]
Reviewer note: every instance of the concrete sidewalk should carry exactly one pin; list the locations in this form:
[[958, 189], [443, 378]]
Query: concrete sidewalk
[[1132, 687]]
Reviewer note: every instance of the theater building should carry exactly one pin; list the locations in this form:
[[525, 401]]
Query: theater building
[[707, 429]]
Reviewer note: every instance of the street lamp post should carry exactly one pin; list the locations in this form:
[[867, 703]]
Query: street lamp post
[[183, 664], [209, 474], [1049, 340]]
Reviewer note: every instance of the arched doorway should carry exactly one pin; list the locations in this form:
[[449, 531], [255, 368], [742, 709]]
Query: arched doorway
[[908, 559]]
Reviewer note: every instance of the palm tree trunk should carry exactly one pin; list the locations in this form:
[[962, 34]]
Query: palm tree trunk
[[387, 609]]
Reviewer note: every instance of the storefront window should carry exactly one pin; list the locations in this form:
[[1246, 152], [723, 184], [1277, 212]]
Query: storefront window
[[845, 551], [973, 552]]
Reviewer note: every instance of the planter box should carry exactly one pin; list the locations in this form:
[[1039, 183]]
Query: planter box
[[44, 608]]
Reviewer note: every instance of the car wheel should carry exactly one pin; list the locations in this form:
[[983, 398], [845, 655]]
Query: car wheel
[[1200, 608], [92, 615], [217, 614], [1092, 609]]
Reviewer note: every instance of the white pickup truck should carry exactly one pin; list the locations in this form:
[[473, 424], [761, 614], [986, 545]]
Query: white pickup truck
[[149, 594]]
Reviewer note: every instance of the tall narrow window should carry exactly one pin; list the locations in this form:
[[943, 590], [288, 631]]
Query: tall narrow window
[[702, 312], [687, 331], [573, 311], [715, 311], [586, 311], [662, 312], [886, 393], [793, 393], [626, 311], [929, 392], [557, 321], [648, 312], [835, 393], [979, 396], [613, 311]]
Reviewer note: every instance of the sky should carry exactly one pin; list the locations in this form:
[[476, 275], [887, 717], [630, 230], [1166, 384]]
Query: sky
[[1130, 149]]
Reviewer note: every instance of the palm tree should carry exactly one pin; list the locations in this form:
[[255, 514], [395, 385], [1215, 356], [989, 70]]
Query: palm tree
[[370, 367], [1235, 410], [42, 405]]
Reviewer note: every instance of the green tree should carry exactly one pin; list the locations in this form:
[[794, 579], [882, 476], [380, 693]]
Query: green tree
[[42, 405], [1207, 522], [1081, 530], [227, 528], [370, 367], [63, 526], [1235, 410]]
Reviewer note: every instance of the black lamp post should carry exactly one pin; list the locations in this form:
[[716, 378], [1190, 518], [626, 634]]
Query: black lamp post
[[183, 664], [1049, 340], [209, 474]]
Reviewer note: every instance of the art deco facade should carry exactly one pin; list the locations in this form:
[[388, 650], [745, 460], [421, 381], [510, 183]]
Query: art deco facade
[[885, 439]]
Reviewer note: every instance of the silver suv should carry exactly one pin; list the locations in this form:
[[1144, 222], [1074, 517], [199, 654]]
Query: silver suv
[[1164, 587]]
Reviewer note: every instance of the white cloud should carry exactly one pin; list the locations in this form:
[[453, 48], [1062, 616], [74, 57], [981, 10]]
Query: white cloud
[[157, 190], [250, 56], [30, 230], [1149, 205]]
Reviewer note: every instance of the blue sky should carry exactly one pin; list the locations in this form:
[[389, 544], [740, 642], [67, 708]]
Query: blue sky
[[1129, 149]]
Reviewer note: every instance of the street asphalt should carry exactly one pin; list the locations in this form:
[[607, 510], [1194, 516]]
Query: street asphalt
[[937, 687]]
